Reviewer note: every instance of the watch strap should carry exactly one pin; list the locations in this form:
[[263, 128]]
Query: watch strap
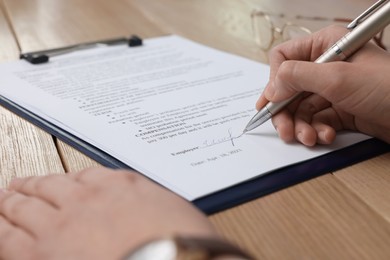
[[190, 248]]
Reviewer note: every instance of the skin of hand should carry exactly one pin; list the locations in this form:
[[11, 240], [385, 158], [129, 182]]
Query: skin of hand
[[93, 214], [351, 95]]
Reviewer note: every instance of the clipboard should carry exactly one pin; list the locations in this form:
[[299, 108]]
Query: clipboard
[[223, 199]]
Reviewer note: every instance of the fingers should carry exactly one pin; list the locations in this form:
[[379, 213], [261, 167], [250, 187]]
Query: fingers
[[14, 242], [261, 102], [28, 213], [313, 121], [302, 49], [100, 177], [307, 48], [325, 133], [104, 178], [304, 131], [291, 50], [284, 125], [95, 175], [53, 189], [335, 81]]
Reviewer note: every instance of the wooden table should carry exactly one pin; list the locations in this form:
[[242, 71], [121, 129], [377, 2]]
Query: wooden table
[[340, 215]]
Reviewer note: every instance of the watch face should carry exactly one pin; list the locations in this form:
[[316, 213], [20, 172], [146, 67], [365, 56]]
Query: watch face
[[164, 249]]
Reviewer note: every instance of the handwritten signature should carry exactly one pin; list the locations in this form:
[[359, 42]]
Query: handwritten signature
[[230, 138]]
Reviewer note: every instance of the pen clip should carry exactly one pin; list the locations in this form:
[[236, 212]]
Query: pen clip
[[358, 20]]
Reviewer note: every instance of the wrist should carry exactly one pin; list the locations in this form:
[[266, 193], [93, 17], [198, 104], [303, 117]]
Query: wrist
[[189, 248]]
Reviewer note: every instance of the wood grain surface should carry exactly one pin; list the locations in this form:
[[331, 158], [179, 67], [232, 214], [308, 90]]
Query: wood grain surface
[[25, 150]]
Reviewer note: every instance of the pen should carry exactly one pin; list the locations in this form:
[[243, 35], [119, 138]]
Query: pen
[[363, 29]]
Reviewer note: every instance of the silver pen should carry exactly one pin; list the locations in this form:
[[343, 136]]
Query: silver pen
[[363, 29]]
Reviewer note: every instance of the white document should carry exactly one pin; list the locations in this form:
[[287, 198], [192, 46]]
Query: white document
[[172, 109]]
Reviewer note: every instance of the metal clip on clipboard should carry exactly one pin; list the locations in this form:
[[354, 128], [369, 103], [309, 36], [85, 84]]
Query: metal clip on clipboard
[[44, 56]]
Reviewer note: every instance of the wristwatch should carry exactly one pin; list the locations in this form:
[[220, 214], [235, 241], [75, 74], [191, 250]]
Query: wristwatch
[[187, 248]]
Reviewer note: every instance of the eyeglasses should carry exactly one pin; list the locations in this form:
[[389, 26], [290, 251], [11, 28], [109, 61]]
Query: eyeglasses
[[266, 34]]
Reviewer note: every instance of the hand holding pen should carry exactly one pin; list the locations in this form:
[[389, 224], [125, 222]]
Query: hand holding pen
[[346, 95]]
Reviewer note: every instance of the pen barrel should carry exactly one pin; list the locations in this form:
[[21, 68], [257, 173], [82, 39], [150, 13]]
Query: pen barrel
[[275, 108], [358, 37]]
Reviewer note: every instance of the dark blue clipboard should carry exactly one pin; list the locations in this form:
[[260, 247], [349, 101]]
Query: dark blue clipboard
[[240, 193]]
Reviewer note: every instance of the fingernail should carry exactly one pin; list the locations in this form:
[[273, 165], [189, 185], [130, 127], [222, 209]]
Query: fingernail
[[300, 137], [322, 135], [270, 91], [276, 128]]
